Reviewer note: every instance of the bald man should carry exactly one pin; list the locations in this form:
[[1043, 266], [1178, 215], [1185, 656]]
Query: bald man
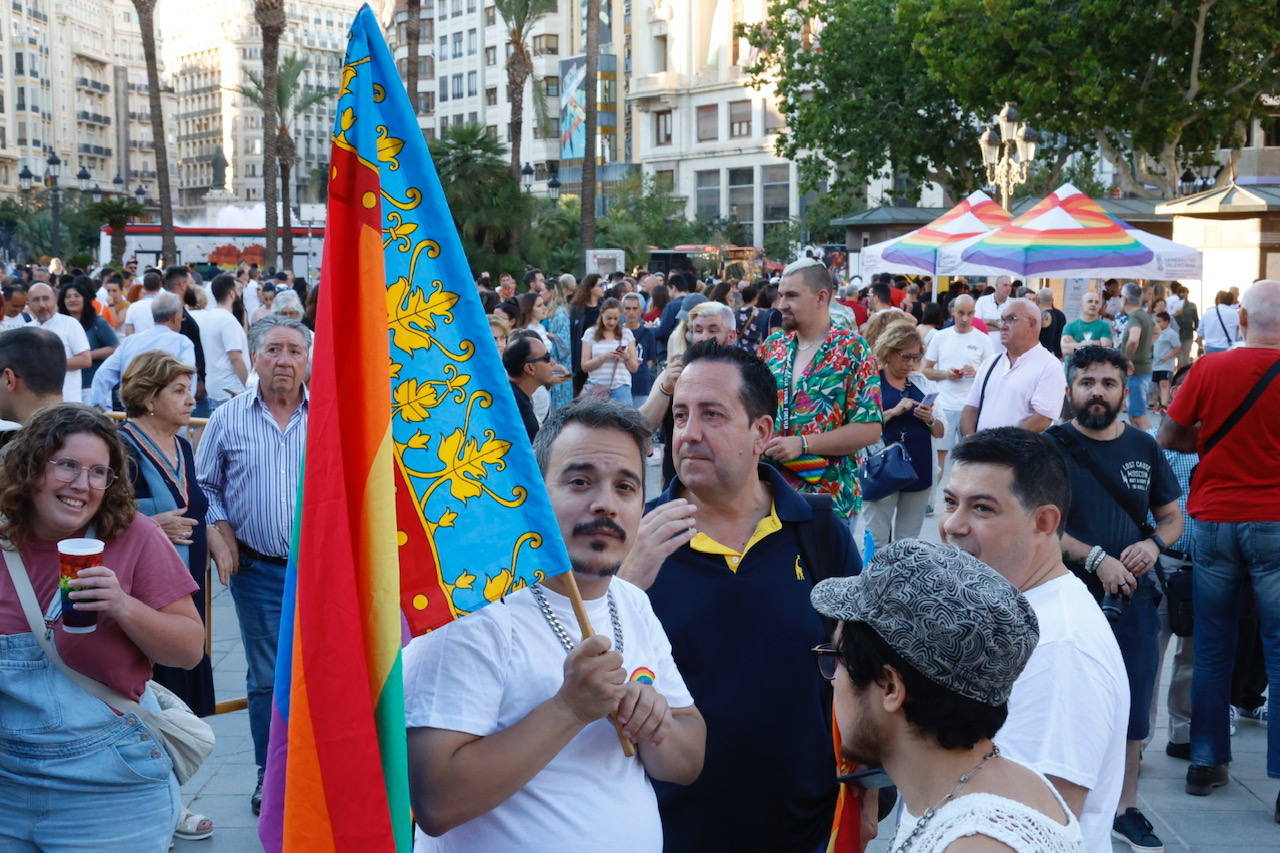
[[952, 360], [42, 303], [1023, 386]]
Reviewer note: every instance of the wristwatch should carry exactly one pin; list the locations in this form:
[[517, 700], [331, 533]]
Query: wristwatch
[[1160, 543]]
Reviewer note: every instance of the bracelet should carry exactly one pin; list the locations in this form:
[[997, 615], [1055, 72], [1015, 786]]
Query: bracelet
[[1095, 558], [664, 390], [804, 444], [1160, 543]]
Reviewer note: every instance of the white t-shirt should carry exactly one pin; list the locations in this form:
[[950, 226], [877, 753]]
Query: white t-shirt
[[74, 342], [486, 672], [221, 333], [139, 314], [950, 350], [605, 374], [1069, 710], [17, 321], [1220, 326], [986, 310]]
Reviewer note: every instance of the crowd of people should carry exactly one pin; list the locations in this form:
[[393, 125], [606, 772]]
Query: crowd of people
[[994, 691]]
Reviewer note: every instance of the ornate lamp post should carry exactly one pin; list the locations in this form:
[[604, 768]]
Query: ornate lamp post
[[25, 178], [141, 195], [553, 186], [526, 176], [1008, 154], [55, 197]]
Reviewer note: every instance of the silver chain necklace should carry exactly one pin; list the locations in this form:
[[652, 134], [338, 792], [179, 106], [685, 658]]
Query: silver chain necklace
[[558, 629], [930, 812]]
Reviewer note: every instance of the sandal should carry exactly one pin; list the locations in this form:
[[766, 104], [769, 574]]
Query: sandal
[[193, 827]]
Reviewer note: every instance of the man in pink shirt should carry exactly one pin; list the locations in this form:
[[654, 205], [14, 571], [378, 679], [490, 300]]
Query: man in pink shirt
[[1023, 386]]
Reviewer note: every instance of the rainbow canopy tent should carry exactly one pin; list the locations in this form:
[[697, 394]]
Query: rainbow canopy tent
[[1069, 235], [916, 253]]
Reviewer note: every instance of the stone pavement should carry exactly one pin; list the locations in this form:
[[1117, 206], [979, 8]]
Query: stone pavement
[[1235, 818]]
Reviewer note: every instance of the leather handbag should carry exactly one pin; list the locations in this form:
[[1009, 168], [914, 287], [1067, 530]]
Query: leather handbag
[[886, 471], [187, 738]]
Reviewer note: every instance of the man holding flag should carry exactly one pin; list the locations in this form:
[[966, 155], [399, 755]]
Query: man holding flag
[[509, 745]]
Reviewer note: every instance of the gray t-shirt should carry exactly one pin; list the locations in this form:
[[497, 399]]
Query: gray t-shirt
[[1166, 344]]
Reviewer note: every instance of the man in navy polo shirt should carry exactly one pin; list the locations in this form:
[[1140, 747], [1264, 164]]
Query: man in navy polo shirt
[[721, 555]]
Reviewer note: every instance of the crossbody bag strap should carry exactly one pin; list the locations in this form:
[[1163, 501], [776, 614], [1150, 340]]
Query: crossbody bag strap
[[1121, 496], [1242, 409], [1217, 311], [44, 636], [982, 393]]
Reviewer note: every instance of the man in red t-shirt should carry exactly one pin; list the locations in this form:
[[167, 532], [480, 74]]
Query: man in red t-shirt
[[1235, 521]]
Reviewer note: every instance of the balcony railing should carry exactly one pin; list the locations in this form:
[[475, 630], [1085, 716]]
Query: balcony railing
[[93, 118]]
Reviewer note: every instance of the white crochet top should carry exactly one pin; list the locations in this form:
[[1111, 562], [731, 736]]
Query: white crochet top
[[1008, 821]]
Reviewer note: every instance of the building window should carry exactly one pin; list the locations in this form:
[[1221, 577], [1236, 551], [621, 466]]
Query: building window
[[546, 45], [490, 16], [457, 45], [659, 53], [457, 8], [1271, 132], [708, 123], [775, 181], [662, 128], [426, 103], [773, 121], [491, 96], [739, 119], [491, 55], [471, 5], [472, 43], [742, 195], [664, 180], [551, 85], [471, 83], [444, 89], [708, 193], [457, 86], [491, 130]]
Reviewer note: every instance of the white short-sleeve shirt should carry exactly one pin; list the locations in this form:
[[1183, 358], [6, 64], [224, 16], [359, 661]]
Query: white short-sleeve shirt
[[74, 342], [606, 374], [220, 334], [1035, 384], [950, 350], [487, 671], [986, 309], [1069, 710]]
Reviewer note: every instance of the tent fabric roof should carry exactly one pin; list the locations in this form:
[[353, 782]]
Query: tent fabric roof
[[1231, 198]]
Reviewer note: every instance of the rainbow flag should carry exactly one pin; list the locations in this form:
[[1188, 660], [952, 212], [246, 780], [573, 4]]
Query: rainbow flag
[[917, 251], [1064, 235], [420, 499]]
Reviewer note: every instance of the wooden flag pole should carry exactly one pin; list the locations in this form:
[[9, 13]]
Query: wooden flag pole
[[584, 625]]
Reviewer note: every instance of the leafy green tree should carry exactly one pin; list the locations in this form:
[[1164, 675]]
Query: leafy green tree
[[489, 208], [642, 200], [1155, 86], [857, 98], [291, 102]]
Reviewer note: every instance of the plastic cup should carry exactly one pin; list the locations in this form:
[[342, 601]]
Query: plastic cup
[[74, 555]]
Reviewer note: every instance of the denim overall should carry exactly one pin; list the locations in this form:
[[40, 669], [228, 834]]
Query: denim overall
[[74, 775]]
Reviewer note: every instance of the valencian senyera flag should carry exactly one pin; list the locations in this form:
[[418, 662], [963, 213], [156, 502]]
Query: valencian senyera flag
[[420, 497]]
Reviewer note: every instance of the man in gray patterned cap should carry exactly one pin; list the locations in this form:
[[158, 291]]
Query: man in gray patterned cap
[[929, 643]]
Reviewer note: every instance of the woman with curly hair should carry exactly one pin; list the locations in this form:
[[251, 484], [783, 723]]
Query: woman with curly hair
[[70, 767]]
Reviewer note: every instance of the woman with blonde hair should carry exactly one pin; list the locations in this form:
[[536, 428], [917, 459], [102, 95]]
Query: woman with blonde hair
[[907, 420], [881, 320]]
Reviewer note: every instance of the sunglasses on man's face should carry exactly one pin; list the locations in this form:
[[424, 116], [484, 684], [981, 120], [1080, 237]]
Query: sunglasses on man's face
[[828, 659], [546, 357]]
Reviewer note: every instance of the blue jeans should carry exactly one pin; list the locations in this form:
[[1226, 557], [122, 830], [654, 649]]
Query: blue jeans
[[622, 394], [1226, 556], [257, 589], [1138, 388], [1137, 632], [75, 776]]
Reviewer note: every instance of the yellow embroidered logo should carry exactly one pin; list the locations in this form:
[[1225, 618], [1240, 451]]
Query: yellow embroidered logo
[[799, 569]]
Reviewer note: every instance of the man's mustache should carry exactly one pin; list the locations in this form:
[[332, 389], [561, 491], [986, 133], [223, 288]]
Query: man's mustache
[[600, 525]]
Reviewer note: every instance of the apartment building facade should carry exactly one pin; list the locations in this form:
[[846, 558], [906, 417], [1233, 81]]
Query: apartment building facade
[[73, 82], [210, 48]]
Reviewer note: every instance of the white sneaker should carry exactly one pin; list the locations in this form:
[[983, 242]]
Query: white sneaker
[[1232, 715], [1257, 716]]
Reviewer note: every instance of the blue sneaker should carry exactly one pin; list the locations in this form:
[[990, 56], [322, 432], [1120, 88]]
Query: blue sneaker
[[1134, 829]]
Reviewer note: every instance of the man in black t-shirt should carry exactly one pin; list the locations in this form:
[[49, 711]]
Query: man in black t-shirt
[[1052, 322], [1119, 477], [529, 367]]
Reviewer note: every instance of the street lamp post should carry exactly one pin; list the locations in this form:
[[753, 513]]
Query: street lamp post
[[1009, 153], [526, 176], [141, 195], [55, 198], [25, 177], [553, 186]]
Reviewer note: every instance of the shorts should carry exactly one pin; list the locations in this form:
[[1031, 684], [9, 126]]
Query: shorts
[[1161, 375], [1138, 387], [1137, 634], [950, 431]]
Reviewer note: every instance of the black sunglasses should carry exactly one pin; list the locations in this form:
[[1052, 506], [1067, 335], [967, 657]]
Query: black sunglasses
[[545, 357], [828, 659]]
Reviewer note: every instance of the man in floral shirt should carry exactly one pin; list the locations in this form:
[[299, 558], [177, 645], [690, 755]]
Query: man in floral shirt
[[828, 391]]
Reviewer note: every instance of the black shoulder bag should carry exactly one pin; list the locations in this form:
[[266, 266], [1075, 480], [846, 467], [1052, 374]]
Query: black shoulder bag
[[982, 392]]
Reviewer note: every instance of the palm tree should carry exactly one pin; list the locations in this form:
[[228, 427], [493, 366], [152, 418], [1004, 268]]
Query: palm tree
[[486, 201], [413, 38], [115, 214], [270, 16], [146, 10], [588, 231], [290, 104], [520, 16]]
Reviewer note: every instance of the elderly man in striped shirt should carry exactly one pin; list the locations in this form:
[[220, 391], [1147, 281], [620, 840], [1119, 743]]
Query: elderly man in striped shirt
[[248, 463]]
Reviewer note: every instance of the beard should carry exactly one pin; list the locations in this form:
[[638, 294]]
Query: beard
[[789, 322], [589, 570], [1091, 418], [862, 744]]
